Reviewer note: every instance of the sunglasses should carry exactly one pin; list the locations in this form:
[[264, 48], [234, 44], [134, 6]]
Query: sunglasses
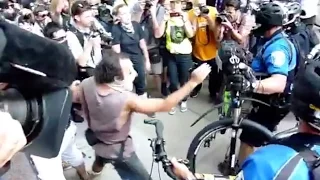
[[59, 39]]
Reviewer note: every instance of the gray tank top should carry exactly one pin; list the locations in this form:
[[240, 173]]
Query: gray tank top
[[104, 113]]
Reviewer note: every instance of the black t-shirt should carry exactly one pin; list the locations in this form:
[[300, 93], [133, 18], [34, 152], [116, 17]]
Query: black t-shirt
[[129, 42]]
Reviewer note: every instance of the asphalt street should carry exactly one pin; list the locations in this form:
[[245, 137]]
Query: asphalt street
[[178, 135]]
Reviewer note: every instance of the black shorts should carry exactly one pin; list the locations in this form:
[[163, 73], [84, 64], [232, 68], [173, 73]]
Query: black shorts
[[269, 117]]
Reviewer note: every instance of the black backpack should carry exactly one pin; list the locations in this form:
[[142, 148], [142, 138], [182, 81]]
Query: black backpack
[[305, 153]]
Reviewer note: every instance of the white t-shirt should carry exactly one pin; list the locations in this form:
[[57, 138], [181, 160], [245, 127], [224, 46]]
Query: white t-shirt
[[77, 49]]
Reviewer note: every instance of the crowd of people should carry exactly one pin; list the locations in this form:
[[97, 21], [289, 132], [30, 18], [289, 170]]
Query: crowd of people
[[117, 44]]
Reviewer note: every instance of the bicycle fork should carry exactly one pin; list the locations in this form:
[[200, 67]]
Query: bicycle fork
[[234, 135]]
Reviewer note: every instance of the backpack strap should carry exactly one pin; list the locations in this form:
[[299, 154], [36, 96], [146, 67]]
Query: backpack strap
[[78, 34], [312, 159]]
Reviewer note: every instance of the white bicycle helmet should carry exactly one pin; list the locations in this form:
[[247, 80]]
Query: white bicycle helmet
[[292, 12], [309, 8]]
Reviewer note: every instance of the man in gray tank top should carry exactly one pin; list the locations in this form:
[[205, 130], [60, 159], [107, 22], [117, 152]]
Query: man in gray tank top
[[108, 104]]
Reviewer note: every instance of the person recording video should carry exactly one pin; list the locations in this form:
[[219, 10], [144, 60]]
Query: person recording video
[[177, 30], [85, 44], [204, 47], [235, 25]]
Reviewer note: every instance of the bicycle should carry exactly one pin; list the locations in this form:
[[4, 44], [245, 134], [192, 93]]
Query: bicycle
[[230, 118], [158, 148]]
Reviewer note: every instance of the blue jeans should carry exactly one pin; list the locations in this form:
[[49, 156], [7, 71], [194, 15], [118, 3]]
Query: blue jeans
[[128, 168], [139, 66], [179, 66]]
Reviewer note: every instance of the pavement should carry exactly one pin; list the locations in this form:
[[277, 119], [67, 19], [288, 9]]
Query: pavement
[[177, 133]]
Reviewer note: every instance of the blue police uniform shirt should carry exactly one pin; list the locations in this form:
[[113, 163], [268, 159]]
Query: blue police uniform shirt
[[279, 56], [267, 162]]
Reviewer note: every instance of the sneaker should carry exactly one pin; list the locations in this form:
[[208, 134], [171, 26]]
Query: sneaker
[[164, 89], [183, 106], [196, 91], [173, 111]]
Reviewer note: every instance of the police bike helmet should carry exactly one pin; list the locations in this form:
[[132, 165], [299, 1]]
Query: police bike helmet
[[269, 15], [292, 14], [305, 102]]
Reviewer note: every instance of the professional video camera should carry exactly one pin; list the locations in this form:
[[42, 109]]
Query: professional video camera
[[39, 73]]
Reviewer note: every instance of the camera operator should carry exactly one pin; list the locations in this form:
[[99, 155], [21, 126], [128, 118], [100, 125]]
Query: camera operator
[[235, 24], [111, 118], [85, 44], [204, 47]]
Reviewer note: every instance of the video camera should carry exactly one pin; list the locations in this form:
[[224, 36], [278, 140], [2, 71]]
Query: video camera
[[223, 17], [38, 95]]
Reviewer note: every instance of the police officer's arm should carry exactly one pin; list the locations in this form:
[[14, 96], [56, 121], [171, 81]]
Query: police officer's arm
[[276, 59]]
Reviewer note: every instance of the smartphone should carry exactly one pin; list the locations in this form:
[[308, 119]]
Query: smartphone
[[175, 14]]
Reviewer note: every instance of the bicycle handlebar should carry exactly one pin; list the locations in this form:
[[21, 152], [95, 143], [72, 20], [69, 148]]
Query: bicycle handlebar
[[158, 125], [159, 149]]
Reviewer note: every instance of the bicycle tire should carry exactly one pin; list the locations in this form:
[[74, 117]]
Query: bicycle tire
[[211, 128]]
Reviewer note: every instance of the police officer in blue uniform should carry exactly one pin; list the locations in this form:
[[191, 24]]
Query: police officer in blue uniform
[[292, 158], [274, 66]]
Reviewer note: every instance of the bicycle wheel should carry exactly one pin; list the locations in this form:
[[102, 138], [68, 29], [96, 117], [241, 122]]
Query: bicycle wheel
[[214, 128]]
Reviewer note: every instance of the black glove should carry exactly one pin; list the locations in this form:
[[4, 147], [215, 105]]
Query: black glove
[[244, 82], [239, 82]]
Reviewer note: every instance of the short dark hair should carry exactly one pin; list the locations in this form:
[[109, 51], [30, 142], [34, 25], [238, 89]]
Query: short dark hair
[[109, 68], [38, 9], [50, 29], [233, 3], [115, 10], [79, 7]]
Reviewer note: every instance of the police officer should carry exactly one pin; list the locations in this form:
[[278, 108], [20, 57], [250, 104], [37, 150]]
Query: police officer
[[274, 66], [287, 158]]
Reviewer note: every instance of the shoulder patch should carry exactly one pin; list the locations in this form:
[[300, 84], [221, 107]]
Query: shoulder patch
[[278, 58]]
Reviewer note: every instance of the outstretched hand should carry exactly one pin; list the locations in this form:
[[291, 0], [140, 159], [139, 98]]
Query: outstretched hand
[[200, 73]]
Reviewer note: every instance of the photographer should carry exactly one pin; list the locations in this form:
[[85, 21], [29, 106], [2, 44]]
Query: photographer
[[177, 30], [204, 47], [235, 25], [84, 43]]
